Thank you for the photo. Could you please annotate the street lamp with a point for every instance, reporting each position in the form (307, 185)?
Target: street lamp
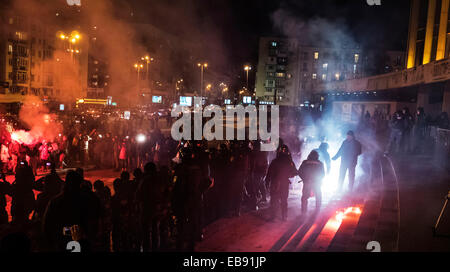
(72, 38)
(147, 60)
(177, 87)
(202, 67)
(247, 68)
(138, 67)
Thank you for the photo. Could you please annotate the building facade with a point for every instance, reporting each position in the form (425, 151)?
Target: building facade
(288, 71)
(428, 37)
(35, 60)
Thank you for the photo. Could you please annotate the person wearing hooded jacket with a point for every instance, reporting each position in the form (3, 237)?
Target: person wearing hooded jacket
(281, 169)
(312, 172)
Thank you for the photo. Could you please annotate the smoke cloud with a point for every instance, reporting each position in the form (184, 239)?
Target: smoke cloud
(317, 31)
(43, 125)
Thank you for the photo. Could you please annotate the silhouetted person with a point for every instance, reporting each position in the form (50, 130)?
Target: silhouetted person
(104, 229)
(420, 130)
(239, 167)
(281, 169)
(349, 152)
(69, 216)
(5, 189)
(408, 124)
(258, 169)
(85, 184)
(149, 199)
(187, 202)
(221, 181)
(443, 121)
(397, 126)
(122, 216)
(324, 156)
(23, 201)
(52, 186)
(311, 172)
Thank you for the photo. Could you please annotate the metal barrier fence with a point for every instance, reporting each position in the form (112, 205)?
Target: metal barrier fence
(442, 147)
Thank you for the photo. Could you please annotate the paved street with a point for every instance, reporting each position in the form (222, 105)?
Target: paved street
(404, 227)
(422, 191)
(339, 226)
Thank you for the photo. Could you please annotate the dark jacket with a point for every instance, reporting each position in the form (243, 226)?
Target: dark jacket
(281, 169)
(349, 152)
(311, 171)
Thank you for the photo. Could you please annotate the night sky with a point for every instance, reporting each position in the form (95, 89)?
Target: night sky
(239, 23)
(229, 30)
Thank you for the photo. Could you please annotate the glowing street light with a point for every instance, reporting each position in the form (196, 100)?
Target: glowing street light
(202, 67)
(147, 60)
(73, 38)
(247, 68)
(138, 67)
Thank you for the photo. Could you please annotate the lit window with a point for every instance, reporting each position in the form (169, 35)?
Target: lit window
(354, 68)
(324, 77)
(10, 49)
(274, 44)
(356, 58)
(314, 76)
(337, 76)
(316, 55)
(325, 66)
(280, 75)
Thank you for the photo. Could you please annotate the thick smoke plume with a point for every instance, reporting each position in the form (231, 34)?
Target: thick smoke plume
(43, 125)
(316, 31)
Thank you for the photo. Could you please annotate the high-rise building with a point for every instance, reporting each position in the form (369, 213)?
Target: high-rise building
(428, 38)
(288, 70)
(40, 58)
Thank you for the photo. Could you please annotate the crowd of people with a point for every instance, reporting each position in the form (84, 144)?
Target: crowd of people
(163, 203)
(410, 133)
(167, 192)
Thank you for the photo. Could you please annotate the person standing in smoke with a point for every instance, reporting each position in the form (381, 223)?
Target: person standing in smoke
(123, 156)
(324, 156)
(420, 130)
(5, 157)
(349, 152)
(311, 172)
(408, 124)
(44, 155)
(281, 169)
(396, 125)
